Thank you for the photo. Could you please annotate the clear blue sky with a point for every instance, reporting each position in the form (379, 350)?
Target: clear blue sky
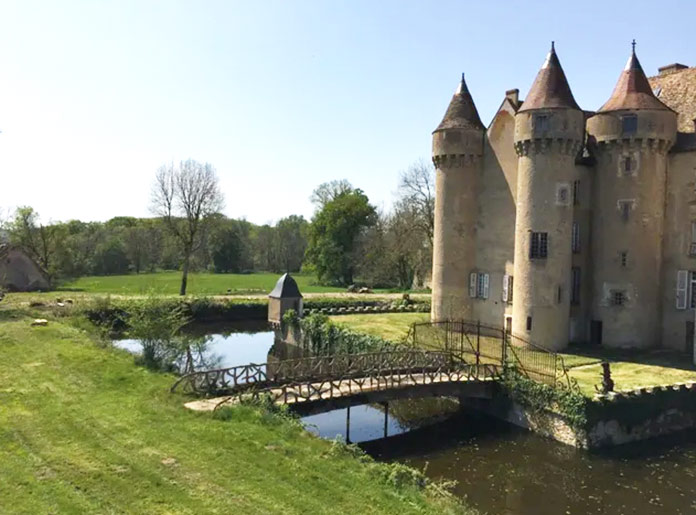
(279, 96)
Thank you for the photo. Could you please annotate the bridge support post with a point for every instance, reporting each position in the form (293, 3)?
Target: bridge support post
(348, 424)
(386, 418)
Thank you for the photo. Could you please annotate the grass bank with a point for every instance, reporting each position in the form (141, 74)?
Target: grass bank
(83, 430)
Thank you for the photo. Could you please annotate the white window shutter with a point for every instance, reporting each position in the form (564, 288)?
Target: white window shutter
(682, 284)
(506, 285)
(693, 232)
(485, 286)
(473, 278)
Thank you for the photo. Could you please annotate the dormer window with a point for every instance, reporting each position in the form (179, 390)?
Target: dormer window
(629, 124)
(541, 123)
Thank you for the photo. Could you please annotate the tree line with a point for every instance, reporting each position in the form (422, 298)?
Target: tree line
(347, 240)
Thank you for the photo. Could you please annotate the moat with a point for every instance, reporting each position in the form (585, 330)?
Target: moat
(498, 468)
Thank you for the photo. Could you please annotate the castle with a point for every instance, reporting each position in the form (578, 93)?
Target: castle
(568, 225)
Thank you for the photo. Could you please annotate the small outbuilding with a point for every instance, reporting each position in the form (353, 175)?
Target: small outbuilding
(19, 272)
(286, 295)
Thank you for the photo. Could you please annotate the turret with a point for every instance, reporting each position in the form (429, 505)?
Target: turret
(457, 152)
(630, 136)
(549, 132)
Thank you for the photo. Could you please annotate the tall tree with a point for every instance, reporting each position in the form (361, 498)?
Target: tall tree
(292, 242)
(334, 232)
(417, 194)
(185, 197)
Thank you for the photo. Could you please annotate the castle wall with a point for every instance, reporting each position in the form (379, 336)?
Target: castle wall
(495, 230)
(582, 216)
(680, 212)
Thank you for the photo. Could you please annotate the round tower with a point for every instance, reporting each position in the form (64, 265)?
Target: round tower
(549, 131)
(457, 152)
(630, 136)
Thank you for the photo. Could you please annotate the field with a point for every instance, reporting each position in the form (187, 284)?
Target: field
(167, 283)
(84, 430)
(629, 369)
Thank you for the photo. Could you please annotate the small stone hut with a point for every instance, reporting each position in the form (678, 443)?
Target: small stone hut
(19, 272)
(286, 295)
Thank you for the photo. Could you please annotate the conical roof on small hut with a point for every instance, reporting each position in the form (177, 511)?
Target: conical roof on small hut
(285, 288)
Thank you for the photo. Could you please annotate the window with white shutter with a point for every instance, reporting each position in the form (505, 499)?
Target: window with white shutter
(486, 280)
(505, 288)
(682, 284)
(692, 245)
(473, 282)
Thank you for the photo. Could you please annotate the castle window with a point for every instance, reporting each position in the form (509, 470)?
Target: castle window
(682, 287)
(539, 245)
(627, 166)
(576, 193)
(692, 286)
(692, 245)
(618, 298)
(507, 289)
(625, 207)
(529, 323)
(624, 259)
(559, 294)
(575, 238)
(478, 285)
(575, 286)
(541, 123)
(629, 124)
(563, 194)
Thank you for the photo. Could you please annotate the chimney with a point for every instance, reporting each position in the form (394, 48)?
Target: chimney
(514, 96)
(671, 68)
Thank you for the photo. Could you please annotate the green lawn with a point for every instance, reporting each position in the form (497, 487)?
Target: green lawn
(84, 430)
(198, 284)
(390, 326)
(629, 369)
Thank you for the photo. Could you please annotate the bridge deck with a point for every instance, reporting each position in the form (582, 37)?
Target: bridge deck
(295, 394)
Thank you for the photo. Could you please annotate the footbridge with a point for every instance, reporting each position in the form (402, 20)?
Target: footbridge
(450, 358)
(328, 382)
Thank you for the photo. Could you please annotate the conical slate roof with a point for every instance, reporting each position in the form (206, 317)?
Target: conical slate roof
(461, 113)
(550, 89)
(285, 288)
(633, 90)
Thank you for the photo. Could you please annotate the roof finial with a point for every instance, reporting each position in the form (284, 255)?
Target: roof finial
(553, 46)
(633, 45)
(462, 76)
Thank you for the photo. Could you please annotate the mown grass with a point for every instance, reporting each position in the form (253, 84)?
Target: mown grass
(83, 430)
(168, 283)
(390, 326)
(629, 370)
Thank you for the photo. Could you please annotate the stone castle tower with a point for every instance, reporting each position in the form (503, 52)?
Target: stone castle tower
(568, 225)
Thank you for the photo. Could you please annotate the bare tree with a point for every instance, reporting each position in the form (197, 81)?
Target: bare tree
(417, 190)
(329, 191)
(186, 196)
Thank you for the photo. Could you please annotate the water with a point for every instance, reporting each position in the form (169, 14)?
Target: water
(499, 469)
(506, 470)
(226, 345)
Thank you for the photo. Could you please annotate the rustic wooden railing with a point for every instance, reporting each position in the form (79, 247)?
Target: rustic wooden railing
(302, 377)
(387, 379)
